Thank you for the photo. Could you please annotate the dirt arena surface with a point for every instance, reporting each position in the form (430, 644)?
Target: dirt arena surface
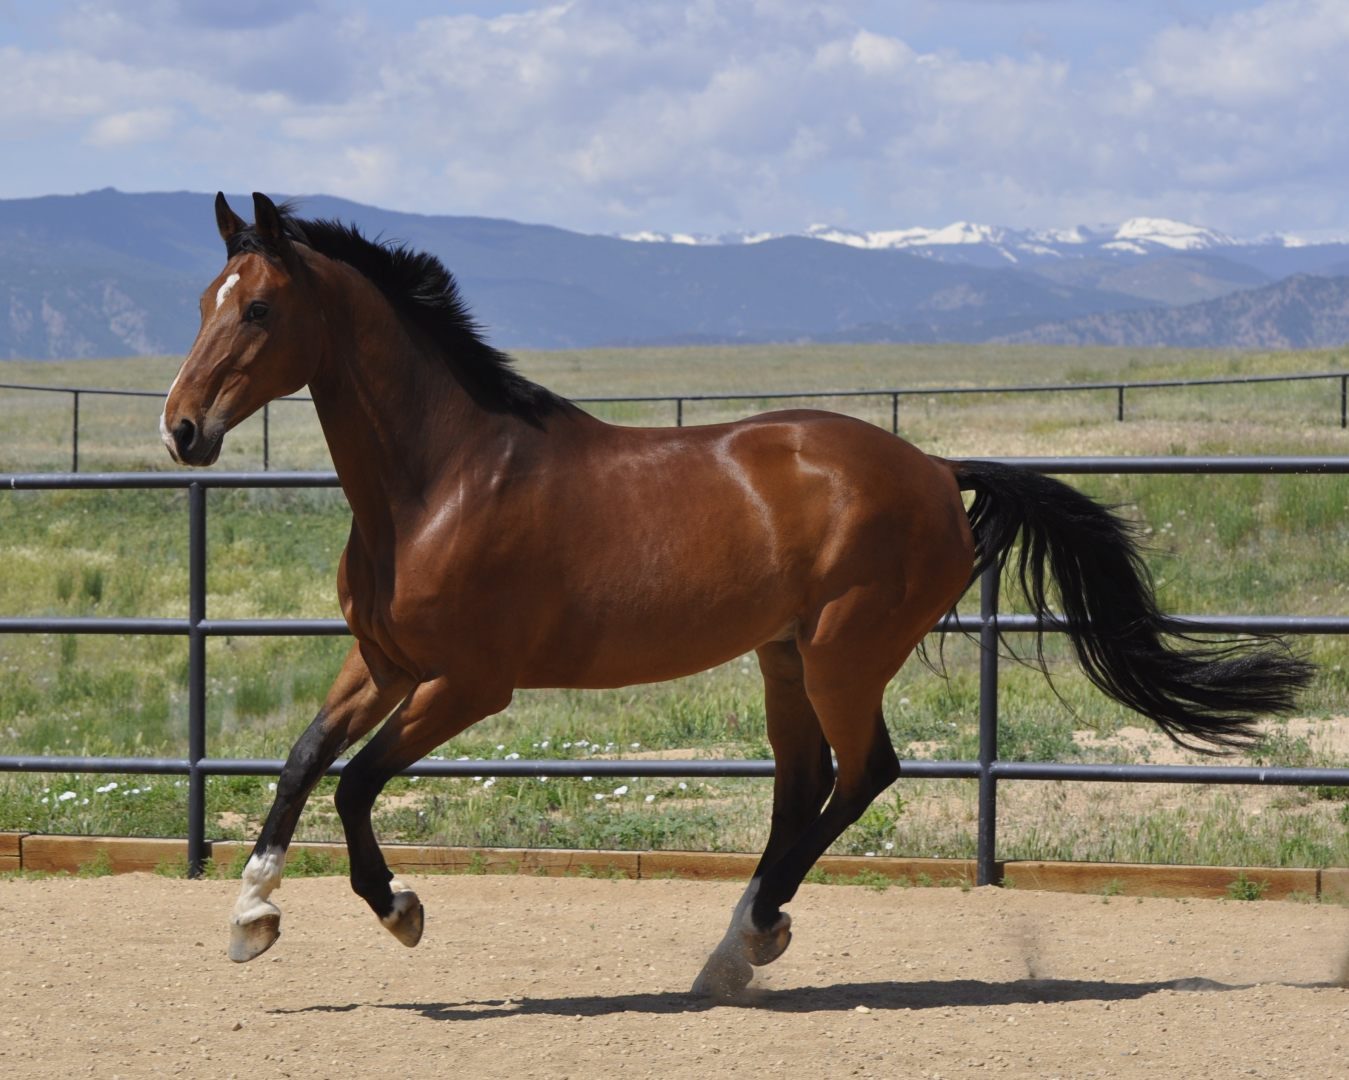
(535, 977)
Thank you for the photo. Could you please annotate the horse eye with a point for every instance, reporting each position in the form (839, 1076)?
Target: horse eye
(256, 311)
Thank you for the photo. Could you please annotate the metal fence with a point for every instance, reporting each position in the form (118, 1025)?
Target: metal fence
(988, 770)
(678, 401)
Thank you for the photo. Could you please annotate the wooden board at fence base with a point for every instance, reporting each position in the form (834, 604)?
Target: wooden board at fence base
(102, 854)
(1141, 879)
(905, 871)
(537, 862)
(1335, 885)
(704, 865)
(230, 856)
(10, 858)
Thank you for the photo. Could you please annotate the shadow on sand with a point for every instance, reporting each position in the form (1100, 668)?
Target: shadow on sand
(877, 996)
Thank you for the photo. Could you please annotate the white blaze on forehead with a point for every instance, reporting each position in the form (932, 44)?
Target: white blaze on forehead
(225, 290)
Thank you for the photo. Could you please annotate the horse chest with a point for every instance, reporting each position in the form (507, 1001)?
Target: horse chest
(409, 602)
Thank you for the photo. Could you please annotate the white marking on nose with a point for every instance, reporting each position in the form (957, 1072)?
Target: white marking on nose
(164, 414)
(225, 290)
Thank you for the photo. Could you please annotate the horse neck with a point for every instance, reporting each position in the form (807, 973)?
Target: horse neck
(395, 417)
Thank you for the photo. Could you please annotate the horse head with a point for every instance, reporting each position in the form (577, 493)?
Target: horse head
(256, 340)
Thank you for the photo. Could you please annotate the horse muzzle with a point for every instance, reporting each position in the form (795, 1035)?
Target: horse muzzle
(189, 443)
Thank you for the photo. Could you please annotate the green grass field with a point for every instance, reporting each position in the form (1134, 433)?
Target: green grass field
(1220, 545)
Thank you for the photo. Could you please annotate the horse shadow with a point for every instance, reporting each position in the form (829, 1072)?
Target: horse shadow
(841, 997)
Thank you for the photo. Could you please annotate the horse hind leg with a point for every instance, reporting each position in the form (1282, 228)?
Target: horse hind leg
(354, 705)
(801, 784)
(844, 682)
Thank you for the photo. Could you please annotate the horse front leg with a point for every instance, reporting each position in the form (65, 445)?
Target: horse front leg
(357, 702)
(434, 712)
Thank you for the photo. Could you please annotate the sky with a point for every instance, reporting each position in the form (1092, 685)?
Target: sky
(708, 116)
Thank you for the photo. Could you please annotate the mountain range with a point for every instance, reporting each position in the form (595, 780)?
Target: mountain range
(109, 273)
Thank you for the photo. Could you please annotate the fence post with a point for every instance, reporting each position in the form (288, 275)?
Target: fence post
(679, 412)
(986, 872)
(196, 680)
(266, 436)
(75, 433)
(1119, 408)
(1344, 401)
(894, 413)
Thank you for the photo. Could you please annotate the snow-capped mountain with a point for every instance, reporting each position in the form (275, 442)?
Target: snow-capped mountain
(107, 273)
(956, 241)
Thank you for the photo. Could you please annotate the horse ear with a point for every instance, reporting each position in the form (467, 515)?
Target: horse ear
(226, 220)
(267, 221)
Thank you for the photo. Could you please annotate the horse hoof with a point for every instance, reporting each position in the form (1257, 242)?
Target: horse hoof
(251, 939)
(408, 918)
(764, 946)
(723, 976)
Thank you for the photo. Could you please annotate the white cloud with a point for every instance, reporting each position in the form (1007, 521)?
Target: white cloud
(1270, 55)
(128, 128)
(701, 116)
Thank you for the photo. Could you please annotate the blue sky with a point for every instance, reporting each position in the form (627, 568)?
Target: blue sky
(707, 116)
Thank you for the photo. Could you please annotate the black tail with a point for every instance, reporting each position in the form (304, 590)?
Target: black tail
(1209, 693)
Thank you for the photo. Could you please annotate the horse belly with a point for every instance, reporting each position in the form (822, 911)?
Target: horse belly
(641, 632)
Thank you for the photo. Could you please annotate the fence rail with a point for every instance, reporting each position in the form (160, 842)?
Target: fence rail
(892, 394)
(988, 770)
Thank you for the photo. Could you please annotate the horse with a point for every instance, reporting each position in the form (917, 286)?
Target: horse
(502, 538)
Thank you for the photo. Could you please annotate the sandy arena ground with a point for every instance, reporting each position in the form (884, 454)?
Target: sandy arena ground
(531, 977)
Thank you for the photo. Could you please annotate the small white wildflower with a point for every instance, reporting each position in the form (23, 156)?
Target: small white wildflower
(66, 796)
(587, 779)
(622, 789)
(111, 786)
(271, 785)
(889, 845)
(651, 798)
(634, 746)
(488, 782)
(543, 745)
(501, 746)
(512, 757)
(599, 795)
(683, 786)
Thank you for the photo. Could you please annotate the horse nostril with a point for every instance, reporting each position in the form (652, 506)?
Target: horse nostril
(184, 435)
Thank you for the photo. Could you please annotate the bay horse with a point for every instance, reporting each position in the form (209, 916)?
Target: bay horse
(502, 538)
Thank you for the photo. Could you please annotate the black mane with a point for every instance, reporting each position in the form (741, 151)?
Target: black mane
(423, 290)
